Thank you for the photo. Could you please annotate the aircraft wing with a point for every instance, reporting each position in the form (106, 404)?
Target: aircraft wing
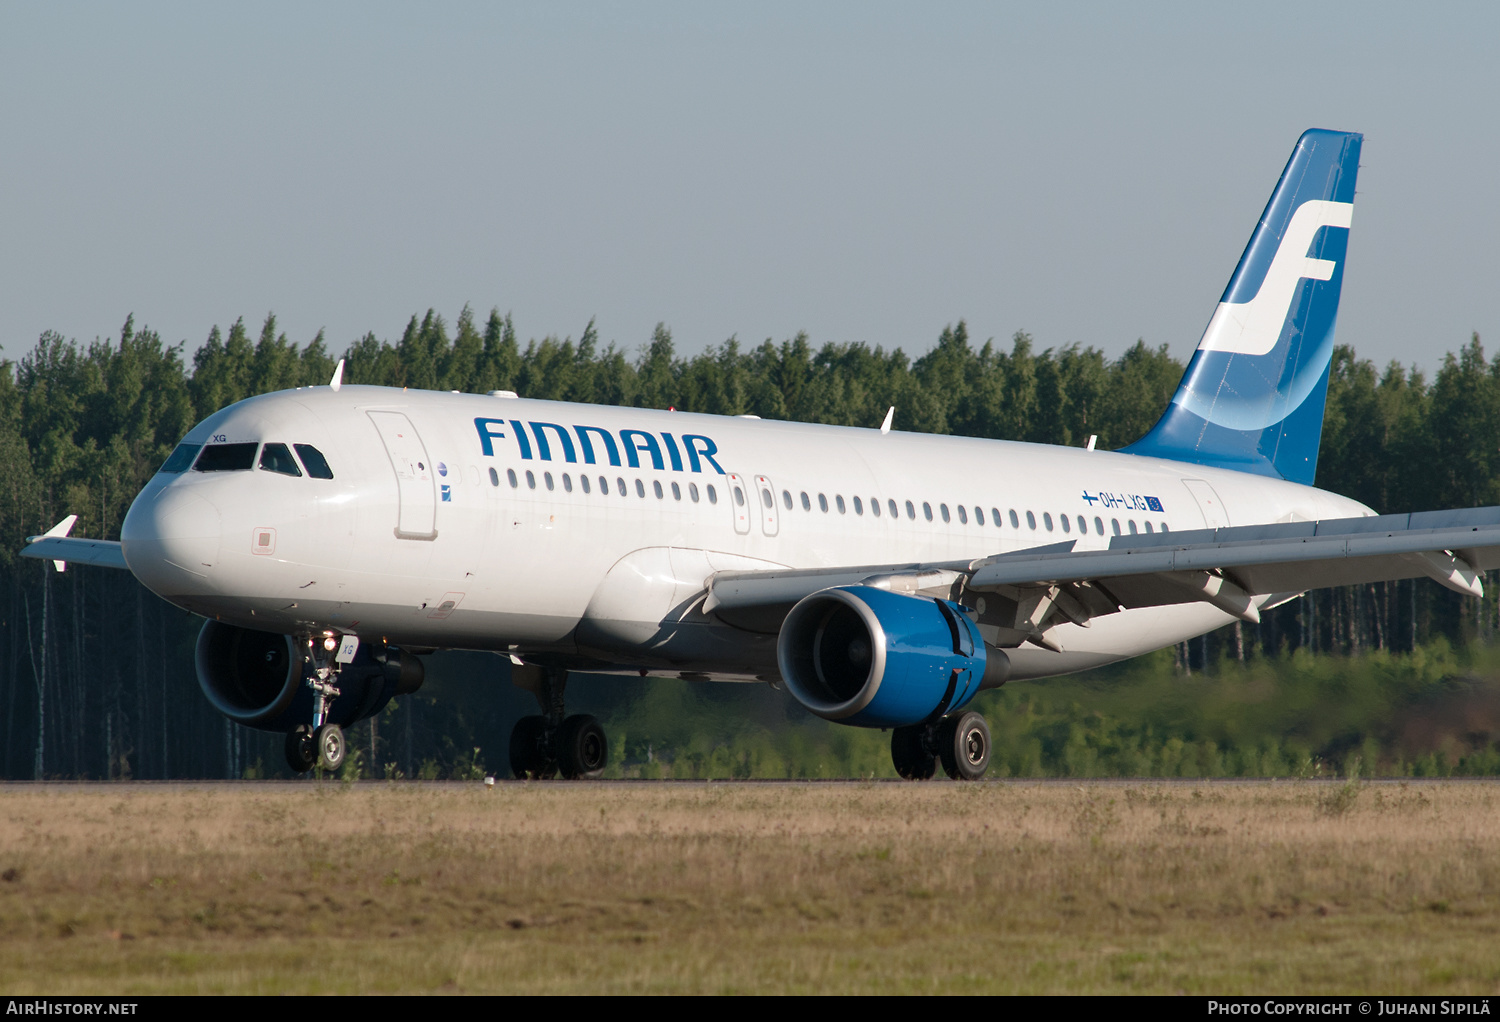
(62, 550)
(1240, 570)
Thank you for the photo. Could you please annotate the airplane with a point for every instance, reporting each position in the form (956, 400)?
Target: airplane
(330, 536)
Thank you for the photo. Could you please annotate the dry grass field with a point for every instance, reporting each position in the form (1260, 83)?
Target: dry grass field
(726, 887)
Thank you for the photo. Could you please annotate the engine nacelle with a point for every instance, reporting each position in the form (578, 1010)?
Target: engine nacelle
(869, 657)
(256, 678)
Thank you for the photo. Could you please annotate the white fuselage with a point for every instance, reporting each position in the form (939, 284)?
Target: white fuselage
(424, 541)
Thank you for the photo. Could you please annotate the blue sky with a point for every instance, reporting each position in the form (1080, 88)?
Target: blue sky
(862, 171)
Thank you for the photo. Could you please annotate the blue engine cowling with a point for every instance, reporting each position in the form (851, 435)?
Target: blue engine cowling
(872, 658)
(256, 678)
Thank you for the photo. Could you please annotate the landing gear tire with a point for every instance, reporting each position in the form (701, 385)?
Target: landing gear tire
(582, 748)
(301, 753)
(964, 746)
(530, 758)
(328, 740)
(910, 755)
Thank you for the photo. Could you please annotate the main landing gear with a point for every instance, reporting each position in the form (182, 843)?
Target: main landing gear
(322, 744)
(960, 742)
(554, 743)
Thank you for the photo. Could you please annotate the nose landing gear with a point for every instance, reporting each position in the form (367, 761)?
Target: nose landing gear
(322, 743)
(543, 746)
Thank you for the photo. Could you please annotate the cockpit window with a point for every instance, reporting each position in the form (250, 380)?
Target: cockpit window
(276, 458)
(313, 460)
(226, 458)
(181, 459)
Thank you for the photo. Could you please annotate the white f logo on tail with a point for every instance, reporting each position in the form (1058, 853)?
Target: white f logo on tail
(1254, 327)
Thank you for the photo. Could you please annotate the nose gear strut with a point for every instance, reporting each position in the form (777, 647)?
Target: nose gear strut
(321, 744)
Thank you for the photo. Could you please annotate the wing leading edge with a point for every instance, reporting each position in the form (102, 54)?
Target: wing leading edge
(1240, 570)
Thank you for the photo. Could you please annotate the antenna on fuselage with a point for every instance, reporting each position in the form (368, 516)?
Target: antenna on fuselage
(338, 376)
(885, 427)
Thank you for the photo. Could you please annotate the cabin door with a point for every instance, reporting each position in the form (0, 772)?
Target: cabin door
(1214, 515)
(417, 517)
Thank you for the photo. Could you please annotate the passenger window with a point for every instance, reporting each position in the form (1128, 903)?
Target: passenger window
(603, 487)
(584, 482)
(713, 494)
(656, 488)
(1148, 526)
(1131, 523)
(823, 503)
(676, 492)
(693, 491)
(1031, 521)
(859, 506)
(181, 458)
(640, 489)
(806, 501)
(978, 514)
(927, 510)
(1047, 520)
(567, 482)
(891, 507)
(1164, 527)
(1015, 523)
(226, 458)
(995, 517)
(963, 516)
(1083, 525)
(313, 461)
(875, 506)
(276, 458)
(1099, 526)
(530, 480)
(494, 477)
(839, 500)
(766, 498)
(911, 512)
(1114, 523)
(547, 478)
(510, 474)
(1065, 525)
(943, 508)
(786, 498)
(620, 485)
(739, 496)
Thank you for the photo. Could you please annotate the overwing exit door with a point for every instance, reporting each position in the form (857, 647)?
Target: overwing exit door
(739, 502)
(765, 502)
(417, 518)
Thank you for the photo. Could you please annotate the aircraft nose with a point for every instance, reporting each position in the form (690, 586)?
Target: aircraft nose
(171, 540)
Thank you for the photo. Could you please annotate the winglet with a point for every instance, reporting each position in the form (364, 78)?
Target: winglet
(62, 528)
(338, 376)
(885, 427)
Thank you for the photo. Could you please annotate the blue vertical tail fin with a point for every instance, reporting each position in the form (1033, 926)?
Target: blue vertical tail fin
(1252, 397)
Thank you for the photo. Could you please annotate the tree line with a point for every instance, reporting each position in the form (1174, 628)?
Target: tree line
(96, 673)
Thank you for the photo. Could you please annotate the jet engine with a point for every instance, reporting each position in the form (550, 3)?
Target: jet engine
(256, 678)
(873, 658)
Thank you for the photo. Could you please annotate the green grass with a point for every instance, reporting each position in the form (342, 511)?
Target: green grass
(555, 887)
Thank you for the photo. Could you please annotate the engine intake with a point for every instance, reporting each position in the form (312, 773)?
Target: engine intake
(869, 657)
(255, 678)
